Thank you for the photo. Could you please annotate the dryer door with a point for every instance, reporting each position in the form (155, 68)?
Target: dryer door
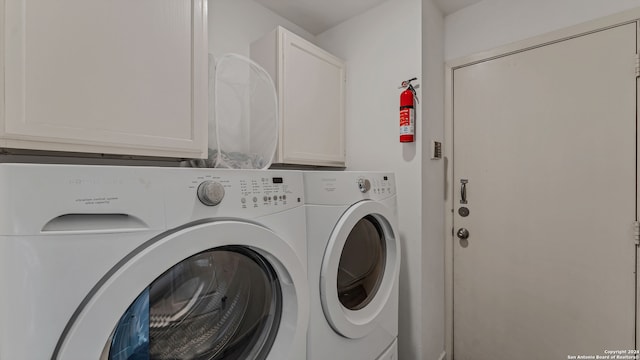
(360, 268)
(219, 290)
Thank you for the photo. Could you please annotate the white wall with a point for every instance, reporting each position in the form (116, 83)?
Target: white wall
(234, 24)
(492, 23)
(383, 47)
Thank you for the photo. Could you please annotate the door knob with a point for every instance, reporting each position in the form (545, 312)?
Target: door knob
(463, 234)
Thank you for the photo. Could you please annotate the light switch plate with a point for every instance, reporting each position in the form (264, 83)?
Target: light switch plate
(436, 150)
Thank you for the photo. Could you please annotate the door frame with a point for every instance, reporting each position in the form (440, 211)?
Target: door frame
(626, 17)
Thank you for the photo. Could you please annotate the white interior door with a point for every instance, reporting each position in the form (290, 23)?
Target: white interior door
(546, 139)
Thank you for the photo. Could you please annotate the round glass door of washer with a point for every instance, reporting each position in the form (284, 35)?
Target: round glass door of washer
(224, 303)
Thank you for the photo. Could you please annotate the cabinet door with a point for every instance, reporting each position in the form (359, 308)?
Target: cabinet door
(311, 88)
(117, 76)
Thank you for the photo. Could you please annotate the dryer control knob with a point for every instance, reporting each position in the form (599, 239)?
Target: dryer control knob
(210, 192)
(364, 185)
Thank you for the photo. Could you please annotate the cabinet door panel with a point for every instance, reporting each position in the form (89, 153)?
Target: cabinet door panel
(313, 124)
(122, 75)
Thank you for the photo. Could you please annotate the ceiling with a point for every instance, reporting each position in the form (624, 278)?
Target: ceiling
(317, 16)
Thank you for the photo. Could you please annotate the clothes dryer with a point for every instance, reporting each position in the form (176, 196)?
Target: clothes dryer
(124, 263)
(353, 265)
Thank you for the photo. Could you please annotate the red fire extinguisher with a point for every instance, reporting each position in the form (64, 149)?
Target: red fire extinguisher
(408, 111)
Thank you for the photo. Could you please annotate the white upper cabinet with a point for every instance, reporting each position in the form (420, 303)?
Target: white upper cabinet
(311, 94)
(104, 76)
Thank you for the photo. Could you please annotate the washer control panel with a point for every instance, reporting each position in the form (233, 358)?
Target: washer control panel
(267, 191)
(243, 193)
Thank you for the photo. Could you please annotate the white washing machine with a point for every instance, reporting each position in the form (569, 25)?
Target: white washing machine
(124, 263)
(353, 264)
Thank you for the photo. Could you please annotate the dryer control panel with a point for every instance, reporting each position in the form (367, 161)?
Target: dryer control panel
(378, 184)
(347, 187)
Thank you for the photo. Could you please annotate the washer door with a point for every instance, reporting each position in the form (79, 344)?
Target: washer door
(219, 290)
(359, 269)
(221, 303)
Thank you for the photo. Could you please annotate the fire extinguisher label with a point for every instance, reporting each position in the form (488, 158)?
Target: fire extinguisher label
(407, 121)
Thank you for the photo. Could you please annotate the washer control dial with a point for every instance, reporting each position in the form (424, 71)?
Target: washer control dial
(364, 185)
(210, 192)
